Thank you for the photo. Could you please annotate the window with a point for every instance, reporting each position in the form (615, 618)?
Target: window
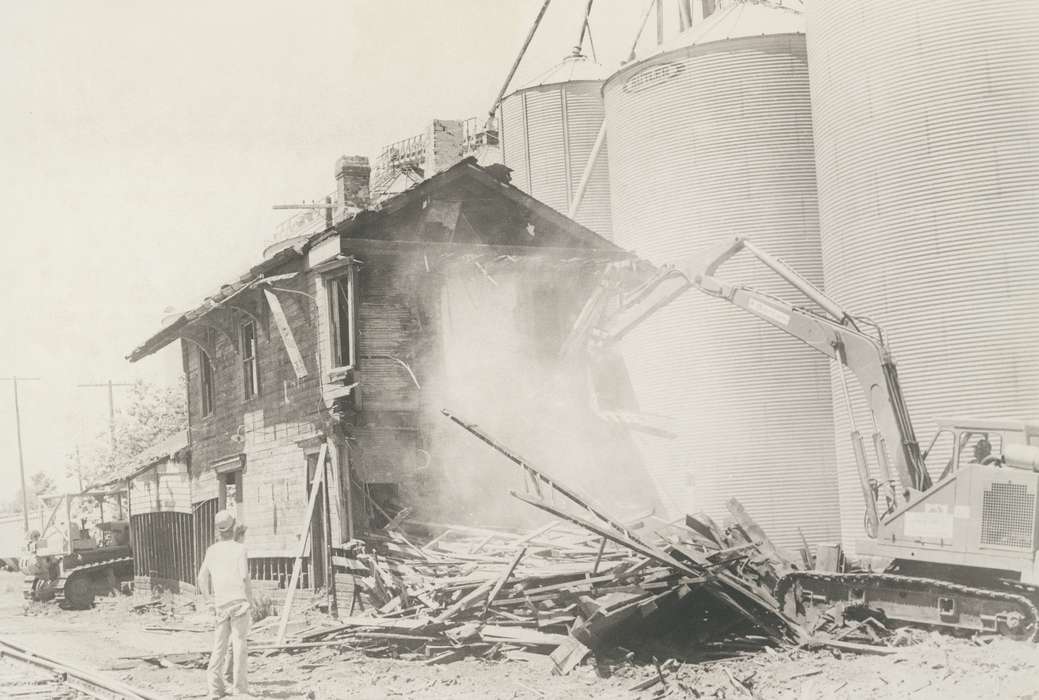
(205, 378)
(250, 366)
(341, 306)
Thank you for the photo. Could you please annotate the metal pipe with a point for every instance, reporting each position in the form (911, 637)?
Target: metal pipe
(519, 57)
(584, 24)
(593, 157)
(642, 26)
(685, 19)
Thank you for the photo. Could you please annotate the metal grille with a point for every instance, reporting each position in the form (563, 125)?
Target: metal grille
(1007, 516)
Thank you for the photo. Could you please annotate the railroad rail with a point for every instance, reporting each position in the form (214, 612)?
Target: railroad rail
(51, 675)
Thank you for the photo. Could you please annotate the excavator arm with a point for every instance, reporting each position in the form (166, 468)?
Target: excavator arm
(832, 332)
(838, 336)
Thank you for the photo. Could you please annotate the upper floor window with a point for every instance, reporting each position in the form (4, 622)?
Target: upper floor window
(250, 365)
(205, 378)
(341, 306)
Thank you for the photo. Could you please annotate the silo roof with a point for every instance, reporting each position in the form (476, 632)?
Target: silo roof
(745, 18)
(574, 68)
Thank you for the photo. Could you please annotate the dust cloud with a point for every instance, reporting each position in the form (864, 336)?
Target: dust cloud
(502, 326)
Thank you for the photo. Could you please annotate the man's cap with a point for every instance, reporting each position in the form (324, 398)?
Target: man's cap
(224, 521)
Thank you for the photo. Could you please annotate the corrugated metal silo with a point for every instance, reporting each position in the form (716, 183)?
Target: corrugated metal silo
(927, 147)
(711, 137)
(548, 129)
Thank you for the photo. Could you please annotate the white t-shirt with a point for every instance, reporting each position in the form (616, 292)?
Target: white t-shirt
(228, 568)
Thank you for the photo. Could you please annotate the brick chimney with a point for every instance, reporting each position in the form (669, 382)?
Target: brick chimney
(352, 173)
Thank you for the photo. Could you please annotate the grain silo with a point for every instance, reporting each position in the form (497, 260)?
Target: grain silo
(710, 136)
(926, 122)
(548, 130)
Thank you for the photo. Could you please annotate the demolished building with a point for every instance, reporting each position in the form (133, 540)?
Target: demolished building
(349, 341)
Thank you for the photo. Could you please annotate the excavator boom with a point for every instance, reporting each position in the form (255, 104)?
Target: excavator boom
(832, 331)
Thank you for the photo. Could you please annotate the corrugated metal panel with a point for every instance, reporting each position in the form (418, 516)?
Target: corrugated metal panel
(927, 134)
(513, 139)
(584, 111)
(546, 146)
(707, 142)
(548, 129)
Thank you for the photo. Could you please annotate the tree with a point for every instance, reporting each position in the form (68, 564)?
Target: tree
(148, 414)
(39, 484)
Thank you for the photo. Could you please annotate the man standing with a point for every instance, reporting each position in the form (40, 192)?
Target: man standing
(223, 581)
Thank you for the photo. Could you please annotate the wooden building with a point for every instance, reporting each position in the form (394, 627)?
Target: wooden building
(349, 342)
(161, 525)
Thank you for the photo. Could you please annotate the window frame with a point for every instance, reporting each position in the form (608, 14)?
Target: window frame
(250, 360)
(334, 284)
(206, 383)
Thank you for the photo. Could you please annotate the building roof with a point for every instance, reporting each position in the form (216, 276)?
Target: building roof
(168, 448)
(499, 217)
(574, 68)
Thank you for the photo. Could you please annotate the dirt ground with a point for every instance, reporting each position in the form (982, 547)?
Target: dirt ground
(102, 638)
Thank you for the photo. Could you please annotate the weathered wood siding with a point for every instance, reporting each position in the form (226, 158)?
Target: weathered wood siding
(273, 431)
(163, 548)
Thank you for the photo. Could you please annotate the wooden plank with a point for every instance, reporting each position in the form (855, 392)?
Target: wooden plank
(503, 578)
(472, 598)
(303, 540)
(612, 535)
(285, 331)
(568, 655)
(853, 647)
(520, 635)
(757, 535)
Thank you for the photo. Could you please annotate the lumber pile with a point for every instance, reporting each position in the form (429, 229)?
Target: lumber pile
(585, 583)
(439, 593)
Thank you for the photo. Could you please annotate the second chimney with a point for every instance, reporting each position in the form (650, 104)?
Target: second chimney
(352, 173)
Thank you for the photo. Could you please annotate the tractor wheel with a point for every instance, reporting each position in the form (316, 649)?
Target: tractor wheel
(79, 592)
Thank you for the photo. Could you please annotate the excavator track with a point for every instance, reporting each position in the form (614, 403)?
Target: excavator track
(913, 601)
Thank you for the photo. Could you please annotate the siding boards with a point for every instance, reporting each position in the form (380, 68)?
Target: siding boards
(162, 547)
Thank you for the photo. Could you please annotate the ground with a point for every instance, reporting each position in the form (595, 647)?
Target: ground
(102, 638)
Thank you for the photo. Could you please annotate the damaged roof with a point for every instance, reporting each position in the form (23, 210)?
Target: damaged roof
(505, 217)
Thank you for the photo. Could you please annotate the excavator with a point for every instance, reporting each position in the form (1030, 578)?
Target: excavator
(950, 531)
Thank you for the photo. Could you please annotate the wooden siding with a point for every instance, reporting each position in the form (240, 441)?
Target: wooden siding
(204, 530)
(164, 488)
(163, 546)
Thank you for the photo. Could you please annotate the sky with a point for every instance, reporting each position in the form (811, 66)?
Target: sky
(142, 146)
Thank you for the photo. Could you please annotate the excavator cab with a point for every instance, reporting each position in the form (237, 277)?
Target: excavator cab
(958, 443)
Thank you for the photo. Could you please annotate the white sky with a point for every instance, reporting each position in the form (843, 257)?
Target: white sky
(143, 144)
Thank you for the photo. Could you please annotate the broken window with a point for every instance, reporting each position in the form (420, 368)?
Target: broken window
(341, 306)
(205, 378)
(250, 366)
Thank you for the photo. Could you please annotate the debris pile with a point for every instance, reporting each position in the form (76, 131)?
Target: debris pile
(583, 583)
(445, 592)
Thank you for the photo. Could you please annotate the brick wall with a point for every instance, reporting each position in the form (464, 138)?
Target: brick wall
(267, 429)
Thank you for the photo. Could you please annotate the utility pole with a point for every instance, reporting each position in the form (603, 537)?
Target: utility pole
(111, 407)
(18, 429)
(79, 470)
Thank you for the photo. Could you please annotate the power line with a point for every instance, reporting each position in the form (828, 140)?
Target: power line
(18, 429)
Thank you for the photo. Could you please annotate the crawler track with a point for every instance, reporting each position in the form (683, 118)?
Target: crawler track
(916, 601)
(45, 677)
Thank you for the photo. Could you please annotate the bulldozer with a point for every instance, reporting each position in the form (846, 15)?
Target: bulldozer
(70, 561)
(951, 531)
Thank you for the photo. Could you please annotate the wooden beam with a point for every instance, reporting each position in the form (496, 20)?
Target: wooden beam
(304, 539)
(285, 330)
(500, 583)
